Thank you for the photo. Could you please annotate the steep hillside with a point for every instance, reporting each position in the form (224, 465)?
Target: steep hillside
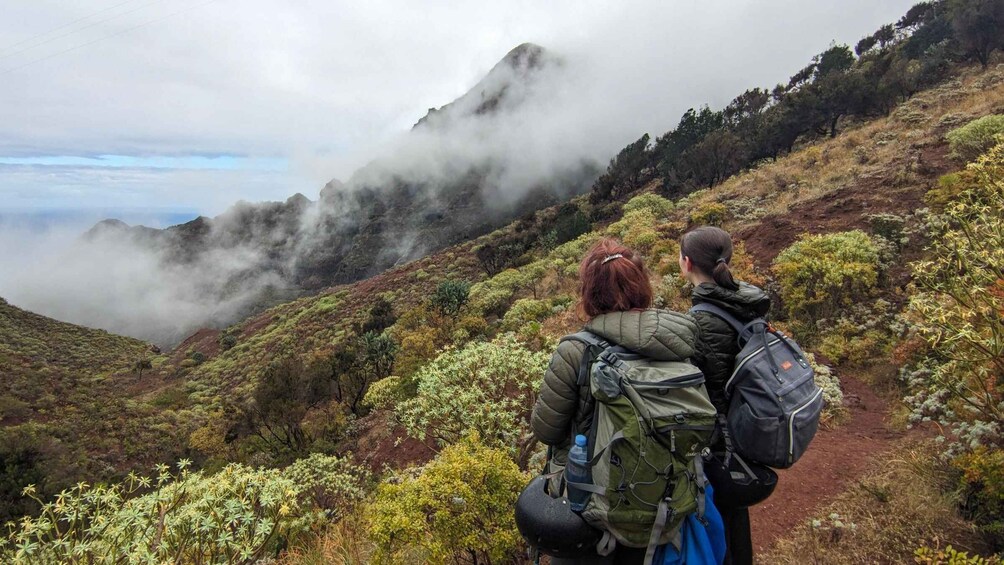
(883, 166)
(67, 410)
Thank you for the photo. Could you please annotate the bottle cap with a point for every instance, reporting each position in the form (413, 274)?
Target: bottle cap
(580, 440)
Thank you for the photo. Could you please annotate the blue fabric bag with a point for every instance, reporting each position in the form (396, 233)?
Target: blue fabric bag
(701, 544)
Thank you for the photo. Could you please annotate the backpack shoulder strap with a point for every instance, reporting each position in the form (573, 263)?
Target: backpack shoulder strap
(744, 332)
(594, 346)
(718, 312)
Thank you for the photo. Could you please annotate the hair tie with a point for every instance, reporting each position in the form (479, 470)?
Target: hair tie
(611, 258)
(721, 260)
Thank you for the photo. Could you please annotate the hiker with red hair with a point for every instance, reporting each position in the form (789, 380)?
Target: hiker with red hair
(615, 302)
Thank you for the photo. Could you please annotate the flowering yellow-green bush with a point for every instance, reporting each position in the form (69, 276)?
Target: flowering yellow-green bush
(329, 483)
(527, 310)
(420, 333)
(485, 387)
(495, 295)
(458, 507)
(971, 140)
(709, 214)
(638, 228)
(958, 312)
(951, 556)
(386, 393)
(821, 274)
(238, 515)
(658, 205)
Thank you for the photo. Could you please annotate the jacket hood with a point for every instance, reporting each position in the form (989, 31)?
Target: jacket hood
(746, 303)
(659, 334)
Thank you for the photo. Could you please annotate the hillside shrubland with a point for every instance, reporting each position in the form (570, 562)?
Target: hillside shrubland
(851, 202)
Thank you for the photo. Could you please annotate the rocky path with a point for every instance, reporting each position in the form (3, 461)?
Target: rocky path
(835, 459)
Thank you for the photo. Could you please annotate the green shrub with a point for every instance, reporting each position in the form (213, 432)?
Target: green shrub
(973, 139)
(950, 556)
(888, 226)
(958, 313)
(524, 311)
(385, 393)
(172, 398)
(485, 387)
(450, 296)
(709, 214)
(329, 483)
(457, 508)
(821, 274)
(948, 189)
(573, 251)
(469, 327)
(227, 341)
(495, 295)
(961, 295)
(983, 482)
(239, 515)
(863, 333)
(659, 206)
(833, 396)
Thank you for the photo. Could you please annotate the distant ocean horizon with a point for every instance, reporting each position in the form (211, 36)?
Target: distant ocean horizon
(46, 219)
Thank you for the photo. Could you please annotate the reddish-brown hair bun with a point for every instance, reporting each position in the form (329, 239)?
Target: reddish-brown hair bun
(612, 278)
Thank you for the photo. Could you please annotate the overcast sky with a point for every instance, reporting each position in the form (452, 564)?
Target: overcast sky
(189, 104)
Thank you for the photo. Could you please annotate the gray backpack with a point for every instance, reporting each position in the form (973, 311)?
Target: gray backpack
(774, 403)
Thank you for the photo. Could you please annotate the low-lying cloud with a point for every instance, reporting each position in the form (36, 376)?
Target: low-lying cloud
(335, 90)
(121, 286)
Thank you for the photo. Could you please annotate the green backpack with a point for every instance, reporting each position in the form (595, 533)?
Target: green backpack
(651, 421)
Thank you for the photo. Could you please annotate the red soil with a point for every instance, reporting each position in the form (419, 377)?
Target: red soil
(836, 458)
(381, 443)
(848, 207)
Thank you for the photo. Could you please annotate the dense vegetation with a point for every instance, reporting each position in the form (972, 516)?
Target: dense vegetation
(325, 390)
(61, 417)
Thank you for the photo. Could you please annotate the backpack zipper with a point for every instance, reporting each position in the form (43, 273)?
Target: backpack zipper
(692, 379)
(791, 425)
(728, 383)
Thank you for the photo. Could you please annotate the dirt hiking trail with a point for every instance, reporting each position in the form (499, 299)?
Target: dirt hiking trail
(836, 457)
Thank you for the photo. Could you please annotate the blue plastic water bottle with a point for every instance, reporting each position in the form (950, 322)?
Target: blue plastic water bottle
(577, 471)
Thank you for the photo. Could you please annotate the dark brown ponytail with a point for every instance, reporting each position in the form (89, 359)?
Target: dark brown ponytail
(710, 251)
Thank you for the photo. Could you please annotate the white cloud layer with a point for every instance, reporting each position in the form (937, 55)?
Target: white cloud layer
(327, 84)
(328, 87)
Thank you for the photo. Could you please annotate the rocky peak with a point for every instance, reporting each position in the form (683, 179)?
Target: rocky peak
(520, 67)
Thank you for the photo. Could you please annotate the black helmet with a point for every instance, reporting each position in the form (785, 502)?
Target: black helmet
(738, 483)
(550, 526)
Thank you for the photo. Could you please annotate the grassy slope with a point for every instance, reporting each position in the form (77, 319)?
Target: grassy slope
(70, 394)
(43, 359)
(885, 165)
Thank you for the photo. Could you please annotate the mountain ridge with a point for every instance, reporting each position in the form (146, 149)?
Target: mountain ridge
(384, 216)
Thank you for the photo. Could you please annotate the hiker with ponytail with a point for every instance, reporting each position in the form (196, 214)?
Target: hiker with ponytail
(705, 256)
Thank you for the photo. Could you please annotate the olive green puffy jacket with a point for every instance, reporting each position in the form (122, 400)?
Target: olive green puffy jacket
(716, 340)
(562, 408)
